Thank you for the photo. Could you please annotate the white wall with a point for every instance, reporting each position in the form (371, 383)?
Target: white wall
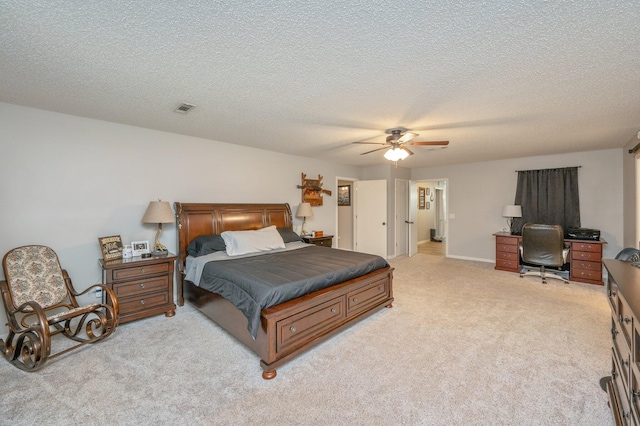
(66, 180)
(477, 192)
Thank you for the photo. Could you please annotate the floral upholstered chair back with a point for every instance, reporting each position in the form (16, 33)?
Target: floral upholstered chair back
(34, 274)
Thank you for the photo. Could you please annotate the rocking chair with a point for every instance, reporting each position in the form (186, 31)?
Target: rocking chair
(40, 302)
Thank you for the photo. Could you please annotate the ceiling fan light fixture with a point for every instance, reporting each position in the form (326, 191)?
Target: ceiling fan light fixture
(395, 154)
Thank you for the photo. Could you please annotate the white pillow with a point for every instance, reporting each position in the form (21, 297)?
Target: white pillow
(244, 242)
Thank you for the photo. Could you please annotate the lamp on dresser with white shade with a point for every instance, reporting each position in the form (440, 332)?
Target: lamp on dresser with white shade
(510, 212)
(304, 211)
(158, 212)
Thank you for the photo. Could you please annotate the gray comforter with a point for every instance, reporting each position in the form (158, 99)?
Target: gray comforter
(258, 282)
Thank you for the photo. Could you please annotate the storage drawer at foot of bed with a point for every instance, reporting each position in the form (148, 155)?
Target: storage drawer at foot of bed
(310, 322)
(367, 296)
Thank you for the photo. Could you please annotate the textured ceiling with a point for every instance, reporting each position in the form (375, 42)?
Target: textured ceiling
(499, 79)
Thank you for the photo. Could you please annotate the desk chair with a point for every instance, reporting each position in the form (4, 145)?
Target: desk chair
(543, 247)
(629, 254)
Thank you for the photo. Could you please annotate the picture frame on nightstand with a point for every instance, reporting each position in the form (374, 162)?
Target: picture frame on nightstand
(139, 247)
(111, 247)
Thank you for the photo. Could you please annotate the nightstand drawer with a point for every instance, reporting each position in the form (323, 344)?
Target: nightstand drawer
(324, 243)
(139, 271)
(143, 303)
(132, 288)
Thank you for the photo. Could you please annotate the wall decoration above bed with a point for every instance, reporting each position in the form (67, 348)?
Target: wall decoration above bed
(312, 190)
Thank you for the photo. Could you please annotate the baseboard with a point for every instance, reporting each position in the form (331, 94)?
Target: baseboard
(476, 259)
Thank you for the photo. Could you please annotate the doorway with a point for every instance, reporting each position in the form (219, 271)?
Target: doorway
(429, 216)
(345, 214)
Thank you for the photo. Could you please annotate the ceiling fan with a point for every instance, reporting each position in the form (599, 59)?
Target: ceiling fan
(396, 144)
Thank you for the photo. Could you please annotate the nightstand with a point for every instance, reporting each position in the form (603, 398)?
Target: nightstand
(144, 287)
(325, 240)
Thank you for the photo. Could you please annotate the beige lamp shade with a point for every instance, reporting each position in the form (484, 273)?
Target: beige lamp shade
(304, 211)
(158, 212)
(512, 211)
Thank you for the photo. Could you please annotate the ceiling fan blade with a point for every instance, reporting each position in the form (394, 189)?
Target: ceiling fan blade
(378, 149)
(429, 143)
(406, 149)
(407, 137)
(371, 143)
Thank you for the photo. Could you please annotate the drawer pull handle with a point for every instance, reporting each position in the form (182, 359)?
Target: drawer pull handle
(614, 332)
(355, 300)
(635, 393)
(379, 288)
(142, 302)
(292, 329)
(625, 362)
(334, 310)
(625, 319)
(142, 271)
(142, 285)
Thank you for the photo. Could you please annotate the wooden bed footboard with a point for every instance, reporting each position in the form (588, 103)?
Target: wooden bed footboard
(289, 328)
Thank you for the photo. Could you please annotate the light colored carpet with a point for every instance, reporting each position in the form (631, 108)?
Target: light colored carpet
(463, 345)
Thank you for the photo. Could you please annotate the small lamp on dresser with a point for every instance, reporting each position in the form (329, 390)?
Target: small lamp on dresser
(158, 212)
(304, 211)
(510, 212)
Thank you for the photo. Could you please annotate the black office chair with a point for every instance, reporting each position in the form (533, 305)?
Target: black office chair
(543, 247)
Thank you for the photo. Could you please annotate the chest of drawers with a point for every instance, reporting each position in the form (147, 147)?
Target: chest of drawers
(623, 386)
(144, 287)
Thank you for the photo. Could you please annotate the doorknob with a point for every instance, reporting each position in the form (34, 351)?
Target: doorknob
(384, 223)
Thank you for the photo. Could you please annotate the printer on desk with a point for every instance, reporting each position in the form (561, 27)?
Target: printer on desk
(583, 234)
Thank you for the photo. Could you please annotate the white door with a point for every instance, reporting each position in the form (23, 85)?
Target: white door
(402, 217)
(371, 216)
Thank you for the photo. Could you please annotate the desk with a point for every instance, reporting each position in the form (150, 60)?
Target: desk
(585, 260)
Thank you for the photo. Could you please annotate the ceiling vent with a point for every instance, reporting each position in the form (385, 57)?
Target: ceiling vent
(184, 108)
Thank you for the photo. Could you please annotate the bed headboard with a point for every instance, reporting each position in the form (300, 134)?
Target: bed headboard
(195, 219)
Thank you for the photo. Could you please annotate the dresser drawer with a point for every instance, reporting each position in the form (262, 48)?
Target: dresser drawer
(505, 248)
(309, 322)
(595, 248)
(586, 255)
(366, 296)
(586, 274)
(135, 288)
(507, 264)
(625, 319)
(508, 241)
(506, 256)
(139, 271)
(142, 303)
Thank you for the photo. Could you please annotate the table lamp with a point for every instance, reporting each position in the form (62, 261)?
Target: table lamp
(510, 212)
(304, 211)
(158, 212)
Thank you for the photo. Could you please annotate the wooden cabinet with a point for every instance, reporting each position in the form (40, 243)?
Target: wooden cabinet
(326, 240)
(585, 262)
(144, 287)
(507, 255)
(623, 386)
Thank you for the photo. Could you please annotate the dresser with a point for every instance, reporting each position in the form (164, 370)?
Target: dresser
(623, 386)
(585, 263)
(144, 287)
(325, 240)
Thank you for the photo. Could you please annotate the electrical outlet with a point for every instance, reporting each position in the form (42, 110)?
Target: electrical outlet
(98, 293)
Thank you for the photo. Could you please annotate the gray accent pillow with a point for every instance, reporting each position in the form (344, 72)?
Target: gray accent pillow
(288, 235)
(205, 244)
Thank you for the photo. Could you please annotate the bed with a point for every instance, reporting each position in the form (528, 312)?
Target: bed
(288, 328)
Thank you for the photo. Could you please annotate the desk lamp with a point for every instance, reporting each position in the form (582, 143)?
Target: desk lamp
(158, 212)
(304, 211)
(510, 212)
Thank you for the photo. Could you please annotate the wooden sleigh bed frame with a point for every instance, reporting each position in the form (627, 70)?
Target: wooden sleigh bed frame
(291, 327)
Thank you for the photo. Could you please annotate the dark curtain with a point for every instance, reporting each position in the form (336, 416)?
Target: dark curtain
(548, 196)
